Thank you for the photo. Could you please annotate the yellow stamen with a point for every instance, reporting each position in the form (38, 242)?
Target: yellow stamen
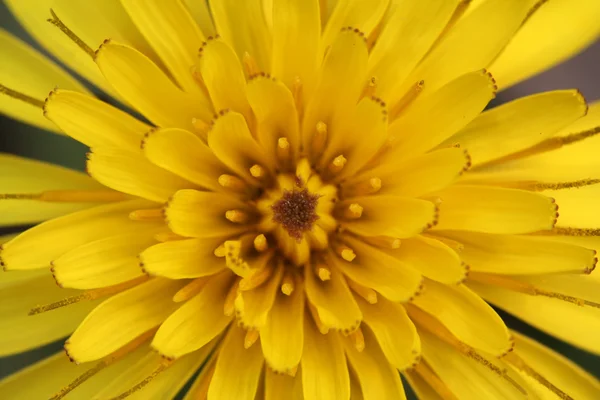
(353, 211)
(370, 186)
(251, 338)
(298, 93)
(408, 98)
(87, 295)
(257, 171)
(366, 293)
(520, 364)
(160, 369)
(260, 243)
(106, 361)
(315, 315)
(323, 272)
(68, 196)
(191, 289)
(60, 25)
(229, 305)
(220, 251)
(319, 138)
(358, 339)
(303, 171)
(237, 216)
(370, 87)
(167, 237)
(283, 149)
(22, 97)
(345, 252)
(425, 372)
(287, 284)
(256, 278)
(292, 371)
(232, 183)
(250, 65)
(383, 241)
(337, 164)
(147, 215)
(200, 126)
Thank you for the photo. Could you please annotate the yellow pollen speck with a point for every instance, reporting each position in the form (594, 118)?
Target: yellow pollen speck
(237, 216)
(260, 243)
(320, 137)
(337, 163)
(257, 171)
(287, 284)
(323, 272)
(346, 253)
(353, 211)
(232, 183)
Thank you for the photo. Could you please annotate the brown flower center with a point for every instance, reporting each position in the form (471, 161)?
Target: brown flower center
(296, 211)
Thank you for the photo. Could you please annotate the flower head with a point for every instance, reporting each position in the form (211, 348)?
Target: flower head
(307, 212)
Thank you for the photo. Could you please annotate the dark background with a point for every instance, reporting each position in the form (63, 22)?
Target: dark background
(581, 72)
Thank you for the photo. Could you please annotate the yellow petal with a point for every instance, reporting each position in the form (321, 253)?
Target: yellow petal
(520, 255)
(25, 70)
(224, 78)
(472, 43)
(22, 176)
(122, 318)
(38, 246)
(432, 258)
(202, 214)
(394, 216)
(175, 149)
(519, 124)
(432, 118)
(421, 175)
(555, 32)
(131, 173)
(341, 81)
(233, 144)
(20, 331)
(456, 370)
(324, 370)
(376, 269)
(253, 306)
(377, 377)
(93, 122)
(103, 262)
(567, 321)
(466, 315)
(421, 387)
(155, 96)
(179, 259)
(282, 386)
(238, 369)
(282, 336)
(495, 210)
(562, 372)
(335, 304)
(275, 111)
(296, 25)
(196, 322)
(174, 35)
(394, 331)
(201, 14)
(410, 30)
(575, 205)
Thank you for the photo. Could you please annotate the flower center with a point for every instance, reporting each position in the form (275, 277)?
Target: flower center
(296, 211)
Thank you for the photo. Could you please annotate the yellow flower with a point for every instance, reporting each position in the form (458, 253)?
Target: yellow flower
(316, 204)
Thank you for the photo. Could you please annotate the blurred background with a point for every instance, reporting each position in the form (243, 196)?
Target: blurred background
(581, 72)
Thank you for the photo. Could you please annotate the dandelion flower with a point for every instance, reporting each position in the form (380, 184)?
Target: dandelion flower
(314, 203)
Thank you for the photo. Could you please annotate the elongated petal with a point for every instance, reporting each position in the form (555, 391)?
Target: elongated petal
(377, 377)
(393, 216)
(562, 372)
(195, 323)
(20, 331)
(184, 154)
(376, 269)
(242, 25)
(93, 122)
(411, 30)
(279, 386)
(432, 258)
(394, 331)
(202, 214)
(155, 96)
(455, 369)
(432, 118)
(25, 70)
(566, 27)
(253, 306)
(103, 262)
(521, 255)
(38, 246)
(575, 205)
(238, 370)
(172, 32)
(201, 13)
(495, 210)
(131, 173)
(179, 259)
(22, 176)
(468, 317)
(282, 337)
(519, 124)
(333, 300)
(121, 319)
(324, 370)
